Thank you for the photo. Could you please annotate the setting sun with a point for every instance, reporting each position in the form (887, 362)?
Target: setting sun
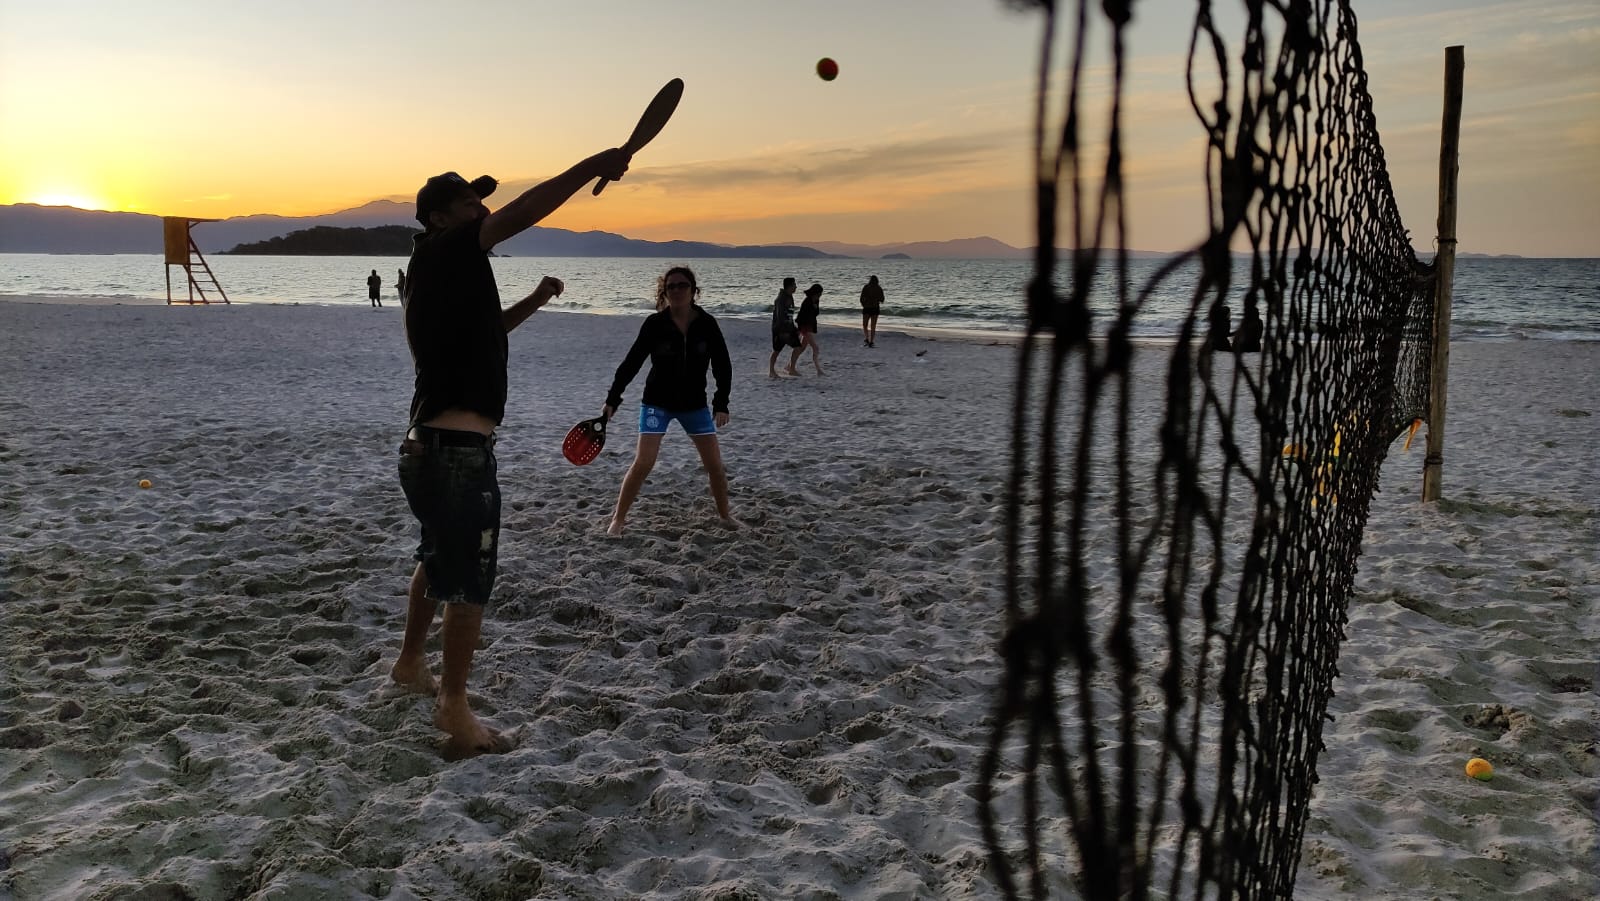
(81, 201)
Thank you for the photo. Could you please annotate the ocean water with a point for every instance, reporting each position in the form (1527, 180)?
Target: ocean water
(1495, 299)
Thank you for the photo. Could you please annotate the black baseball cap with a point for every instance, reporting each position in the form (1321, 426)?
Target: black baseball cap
(441, 190)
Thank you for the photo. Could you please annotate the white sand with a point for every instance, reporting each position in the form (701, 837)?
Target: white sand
(194, 698)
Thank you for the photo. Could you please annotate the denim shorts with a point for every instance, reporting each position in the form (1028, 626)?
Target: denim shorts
(450, 482)
(654, 420)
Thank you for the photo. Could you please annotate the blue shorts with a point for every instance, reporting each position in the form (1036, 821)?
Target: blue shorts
(450, 482)
(654, 420)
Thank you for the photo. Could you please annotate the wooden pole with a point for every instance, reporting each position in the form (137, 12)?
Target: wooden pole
(1444, 263)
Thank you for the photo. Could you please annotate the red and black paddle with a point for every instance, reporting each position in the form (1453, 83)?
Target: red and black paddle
(584, 441)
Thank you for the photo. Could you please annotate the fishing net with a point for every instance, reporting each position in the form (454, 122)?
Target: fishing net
(1183, 522)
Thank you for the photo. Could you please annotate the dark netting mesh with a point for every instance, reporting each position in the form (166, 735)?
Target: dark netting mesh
(1183, 524)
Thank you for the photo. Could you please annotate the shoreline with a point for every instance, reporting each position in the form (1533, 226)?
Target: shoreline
(997, 337)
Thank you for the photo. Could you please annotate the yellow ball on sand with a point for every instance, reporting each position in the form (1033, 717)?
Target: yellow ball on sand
(144, 483)
(1480, 769)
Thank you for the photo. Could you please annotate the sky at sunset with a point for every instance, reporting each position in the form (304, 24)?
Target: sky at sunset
(297, 108)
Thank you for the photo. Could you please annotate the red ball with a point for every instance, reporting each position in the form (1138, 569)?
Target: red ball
(827, 69)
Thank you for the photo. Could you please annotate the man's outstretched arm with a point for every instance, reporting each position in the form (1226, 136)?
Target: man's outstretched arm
(546, 197)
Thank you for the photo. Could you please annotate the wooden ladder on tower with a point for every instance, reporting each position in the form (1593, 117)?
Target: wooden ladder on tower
(182, 251)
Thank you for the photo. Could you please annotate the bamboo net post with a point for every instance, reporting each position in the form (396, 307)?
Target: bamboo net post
(1444, 262)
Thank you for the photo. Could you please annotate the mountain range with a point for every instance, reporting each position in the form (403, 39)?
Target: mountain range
(30, 228)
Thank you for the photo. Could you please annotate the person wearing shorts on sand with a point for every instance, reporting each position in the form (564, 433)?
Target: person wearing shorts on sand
(681, 341)
(806, 321)
(784, 333)
(871, 306)
(456, 330)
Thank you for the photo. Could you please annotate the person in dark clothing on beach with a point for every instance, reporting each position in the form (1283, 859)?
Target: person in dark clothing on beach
(374, 285)
(784, 333)
(1220, 321)
(1247, 339)
(681, 341)
(871, 305)
(457, 331)
(400, 287)
(806, 322)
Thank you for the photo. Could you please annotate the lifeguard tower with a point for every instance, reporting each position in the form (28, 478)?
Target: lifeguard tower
(182, 251)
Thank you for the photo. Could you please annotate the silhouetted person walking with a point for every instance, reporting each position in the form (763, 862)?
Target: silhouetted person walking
(1247, 340)
(784, 333)
(806, 322)
(374, 285)
(871, 304)
(1221, 320)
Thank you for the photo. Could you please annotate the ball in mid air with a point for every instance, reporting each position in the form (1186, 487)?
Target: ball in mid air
(1480, 769)
(827, 69)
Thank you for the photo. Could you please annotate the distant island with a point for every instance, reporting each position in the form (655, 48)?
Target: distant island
(396, 241)
(328, 241)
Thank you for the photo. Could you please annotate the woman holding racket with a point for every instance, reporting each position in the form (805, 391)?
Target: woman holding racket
(682, 341)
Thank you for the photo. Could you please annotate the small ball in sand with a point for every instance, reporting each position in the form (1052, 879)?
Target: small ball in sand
(144, 483)
(1480, 769)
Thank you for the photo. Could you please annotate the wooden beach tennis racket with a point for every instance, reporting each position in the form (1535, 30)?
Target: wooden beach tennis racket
(650, 124)
(584, 440)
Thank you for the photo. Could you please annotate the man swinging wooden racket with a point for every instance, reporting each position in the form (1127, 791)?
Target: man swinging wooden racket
(457, 331)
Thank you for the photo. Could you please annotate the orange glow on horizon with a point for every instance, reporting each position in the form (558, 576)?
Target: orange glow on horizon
(78, 200)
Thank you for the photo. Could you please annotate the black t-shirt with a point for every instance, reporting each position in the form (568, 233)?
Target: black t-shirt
(678, 363)
(454, 326)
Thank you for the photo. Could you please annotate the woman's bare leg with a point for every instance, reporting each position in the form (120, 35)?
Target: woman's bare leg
(644, 460)
(711, 459)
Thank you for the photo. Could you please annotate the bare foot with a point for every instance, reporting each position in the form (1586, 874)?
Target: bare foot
(791, 373)
(467, 736)
(615, 529)
(414, 676)
(730, 523)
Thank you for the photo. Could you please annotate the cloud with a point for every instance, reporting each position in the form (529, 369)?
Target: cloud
(907, 160)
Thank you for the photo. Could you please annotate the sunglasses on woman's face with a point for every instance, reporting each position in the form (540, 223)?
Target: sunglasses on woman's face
(678, 286)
